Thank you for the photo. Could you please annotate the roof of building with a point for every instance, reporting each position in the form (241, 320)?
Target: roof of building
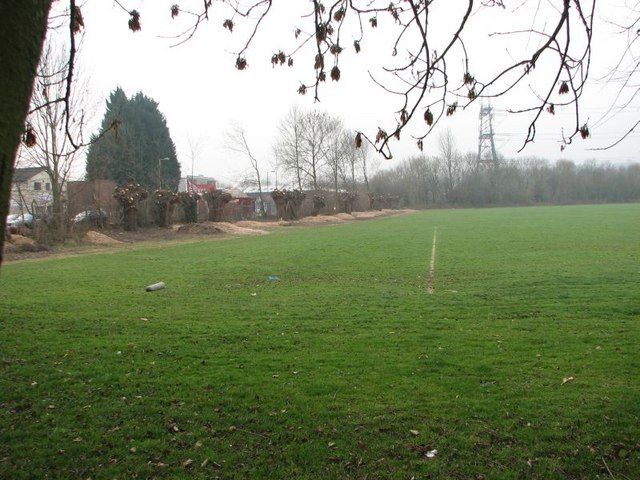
(236, 193)
(265, 195)
(23, 174)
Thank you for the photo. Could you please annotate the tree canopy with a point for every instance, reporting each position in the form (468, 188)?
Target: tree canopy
(140, 150)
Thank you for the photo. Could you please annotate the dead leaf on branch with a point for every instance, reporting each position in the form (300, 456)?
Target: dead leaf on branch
(564, 88)
(335, 74)
(134, 21)
(584, 132)
(29, 137)
(241, 63)
(428, 117)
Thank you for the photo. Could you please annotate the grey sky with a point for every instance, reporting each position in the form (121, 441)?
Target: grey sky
(200, 92)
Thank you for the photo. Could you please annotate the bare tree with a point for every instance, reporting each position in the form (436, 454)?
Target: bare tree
(53, 151)
(624, 73)
(237, 142)
(433, 166)
(366, 165)
(195, 147)
(336, 156)
(450, 161)
(350, 164)
(317, 131)
(289, 149)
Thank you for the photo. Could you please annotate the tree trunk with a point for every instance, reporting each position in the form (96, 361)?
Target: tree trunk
(190, 211)
(57, 212)
(162, 214)
(298, 169)
(314, 176)
(365, 175)
(263, 212)
(335, 184)
(130, 219)
(23, 24)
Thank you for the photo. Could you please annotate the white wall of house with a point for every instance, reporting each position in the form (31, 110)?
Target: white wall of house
(36, 190)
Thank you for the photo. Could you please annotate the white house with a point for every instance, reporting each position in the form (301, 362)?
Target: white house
(30, 190)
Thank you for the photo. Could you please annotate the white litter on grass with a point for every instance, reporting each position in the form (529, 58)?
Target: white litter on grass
(155, 286)
(431, 453)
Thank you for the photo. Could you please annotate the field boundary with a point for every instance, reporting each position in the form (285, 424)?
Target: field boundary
(432, 264)
(271, 227)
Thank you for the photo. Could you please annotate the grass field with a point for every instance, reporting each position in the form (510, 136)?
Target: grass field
(326, 373)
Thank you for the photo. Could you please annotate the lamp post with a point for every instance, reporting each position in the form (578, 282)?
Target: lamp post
(160, 160)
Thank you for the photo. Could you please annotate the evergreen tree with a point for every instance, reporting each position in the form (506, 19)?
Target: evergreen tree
(141, 150)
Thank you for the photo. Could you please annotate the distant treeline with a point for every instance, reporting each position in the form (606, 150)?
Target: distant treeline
(460, 180)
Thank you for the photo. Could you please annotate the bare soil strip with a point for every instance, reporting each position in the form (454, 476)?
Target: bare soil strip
(432, 265)
(161, 237)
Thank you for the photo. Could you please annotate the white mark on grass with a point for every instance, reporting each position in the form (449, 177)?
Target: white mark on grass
(432, 264)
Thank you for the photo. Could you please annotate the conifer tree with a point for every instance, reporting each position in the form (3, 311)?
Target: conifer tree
(140, 150)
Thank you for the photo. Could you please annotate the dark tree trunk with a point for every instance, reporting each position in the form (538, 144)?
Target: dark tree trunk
(162, 215)
(278, 199)
(318, 204)
(216, 200)
(189, 203)
(57, 211)
(190, 210)
(130, 222)
(23, 25)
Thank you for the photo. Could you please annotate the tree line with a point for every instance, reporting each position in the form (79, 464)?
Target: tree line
(316, 151)
(452, 178)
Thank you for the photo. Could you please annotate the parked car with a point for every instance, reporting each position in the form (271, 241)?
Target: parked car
(20, 220)
(94, 218)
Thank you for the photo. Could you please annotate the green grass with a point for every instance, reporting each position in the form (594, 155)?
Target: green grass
(325, 373)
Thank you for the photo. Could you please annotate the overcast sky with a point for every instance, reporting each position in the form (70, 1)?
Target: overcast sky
(201, 93)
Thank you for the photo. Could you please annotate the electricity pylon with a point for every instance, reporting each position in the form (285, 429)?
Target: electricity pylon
(486, 145)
